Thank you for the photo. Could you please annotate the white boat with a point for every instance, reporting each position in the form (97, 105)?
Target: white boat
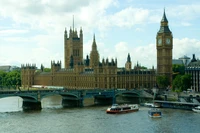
(196, 109)
(148, 104)
(125, 108)
(153, 105)
(155, 113)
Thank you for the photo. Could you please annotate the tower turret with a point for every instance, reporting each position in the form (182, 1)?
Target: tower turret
(55, 66)
(73, 46)
(27, 75)
(94, 55)
(65, 34)
(128, 64)
(81, 35)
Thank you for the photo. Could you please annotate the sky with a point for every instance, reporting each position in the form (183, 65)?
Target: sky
(32, 31)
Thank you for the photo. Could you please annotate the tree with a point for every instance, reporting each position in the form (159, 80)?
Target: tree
(162, 81)
(10, 79)
(176, 83)
(182, 82)
(143, 67)
(2, 78)
(47, 69)
(186, 80)
(178, 70)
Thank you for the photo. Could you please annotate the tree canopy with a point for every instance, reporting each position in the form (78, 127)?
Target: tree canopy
(182, 82)
(10, 79)
(178, 70)
(47, 69)
(162, 81)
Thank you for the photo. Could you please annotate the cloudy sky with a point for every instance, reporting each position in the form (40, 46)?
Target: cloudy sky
(31, 31)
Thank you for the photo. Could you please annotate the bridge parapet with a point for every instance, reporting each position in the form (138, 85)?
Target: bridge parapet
(68, 95)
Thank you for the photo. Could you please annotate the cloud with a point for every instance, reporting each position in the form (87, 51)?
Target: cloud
(34, 29)
(127, 17)
(186, 46)
(144, 55)
(12, 31)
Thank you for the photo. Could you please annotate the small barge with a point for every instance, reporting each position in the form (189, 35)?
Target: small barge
(155, 113)
(177, 105)
(125, 108)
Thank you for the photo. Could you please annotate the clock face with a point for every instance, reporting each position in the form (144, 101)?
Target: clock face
(159, 41)
(168, 41)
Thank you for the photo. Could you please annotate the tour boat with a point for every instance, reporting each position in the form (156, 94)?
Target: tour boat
(125, 108)
(196, 109)
(153, 112)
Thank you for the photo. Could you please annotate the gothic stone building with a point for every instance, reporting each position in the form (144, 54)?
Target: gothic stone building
(91, 73)
(193, 68)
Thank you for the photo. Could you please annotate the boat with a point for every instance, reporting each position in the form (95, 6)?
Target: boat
(196, 109)
(154, 113)
(152, 105)
(148, 104)
(125, 108)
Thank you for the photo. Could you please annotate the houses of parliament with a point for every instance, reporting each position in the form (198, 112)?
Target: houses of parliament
(93, 73)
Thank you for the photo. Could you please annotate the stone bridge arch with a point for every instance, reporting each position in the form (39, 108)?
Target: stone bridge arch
(127, 97)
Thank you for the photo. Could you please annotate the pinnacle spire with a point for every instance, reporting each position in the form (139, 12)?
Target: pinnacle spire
(94, 38)
(164, 24)
(73, 23)
(128, 58)
(94, 46)
(164, 18)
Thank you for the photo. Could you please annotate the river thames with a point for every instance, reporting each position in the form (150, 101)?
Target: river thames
(55, 119)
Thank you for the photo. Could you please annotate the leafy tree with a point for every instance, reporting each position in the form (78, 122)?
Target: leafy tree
(10, 79)
(176, 83)
(143, 67)
(178, 70)
(182, 82)
(2, 78)
(47, 70)
(162, 81)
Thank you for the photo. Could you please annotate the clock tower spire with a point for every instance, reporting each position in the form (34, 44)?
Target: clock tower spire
(164, 46)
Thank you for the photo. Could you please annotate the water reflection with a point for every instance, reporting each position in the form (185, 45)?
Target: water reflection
(11, 104)
(14, 104)
(91, 119)
(52, 102)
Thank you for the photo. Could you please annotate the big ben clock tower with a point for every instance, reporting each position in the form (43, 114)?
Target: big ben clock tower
(164, 45)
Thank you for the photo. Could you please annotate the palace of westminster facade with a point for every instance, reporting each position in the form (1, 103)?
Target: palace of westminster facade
(91, 73)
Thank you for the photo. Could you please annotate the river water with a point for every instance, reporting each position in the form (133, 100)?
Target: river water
(55, 119)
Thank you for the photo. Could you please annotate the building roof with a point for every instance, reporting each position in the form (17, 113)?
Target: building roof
(164, 29)
(164, 18)
(164, 25)
(194, 64)
(184, 57)
(177, 61)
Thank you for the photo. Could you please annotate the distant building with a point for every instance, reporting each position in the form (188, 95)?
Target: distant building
(8, 68)
(193, 68)
(184, 60)
(91, 73)
(177, 62)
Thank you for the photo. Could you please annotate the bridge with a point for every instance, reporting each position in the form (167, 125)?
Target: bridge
(73, 98)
